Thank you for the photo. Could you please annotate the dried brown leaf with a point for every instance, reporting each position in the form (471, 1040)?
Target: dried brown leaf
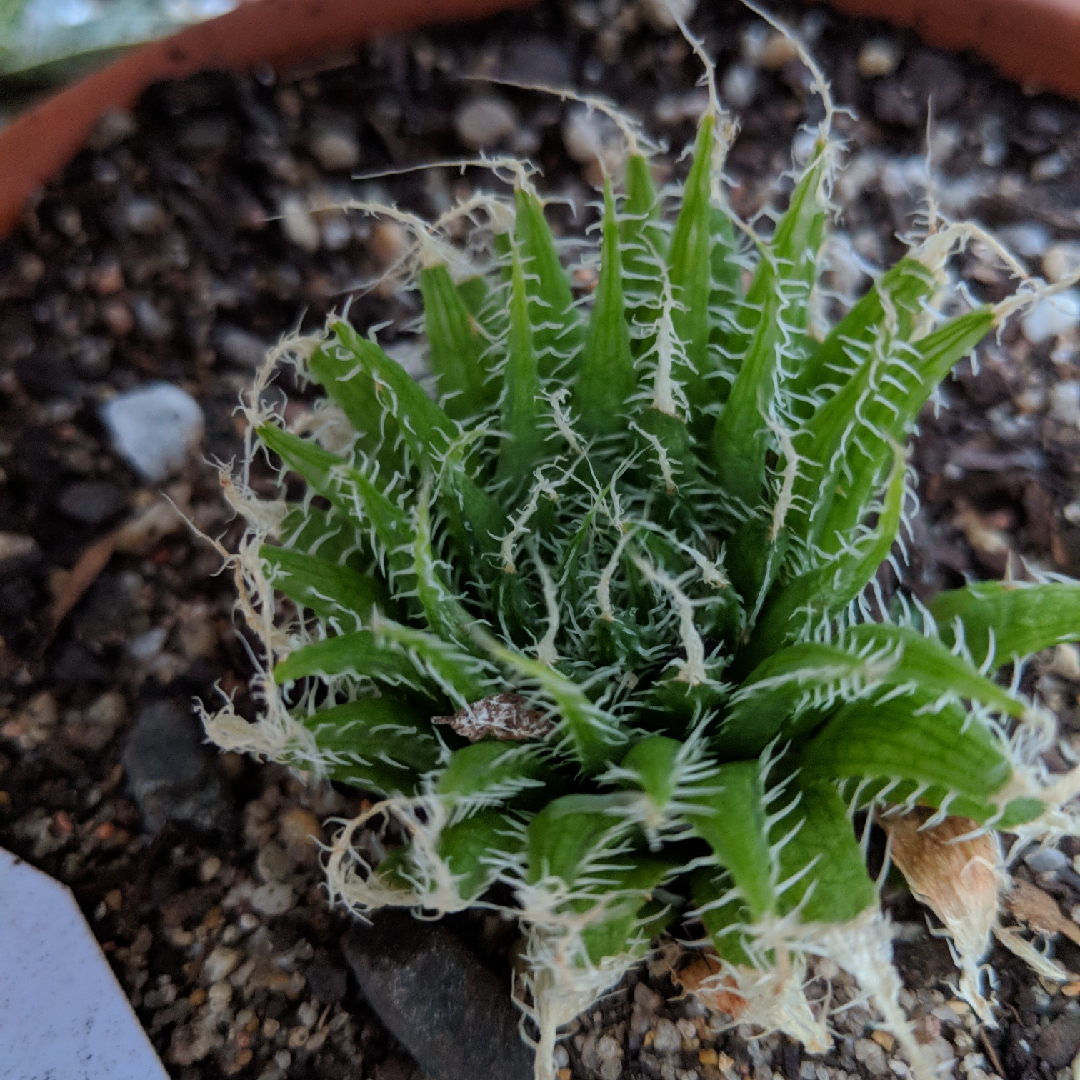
(1040, 911)
(502, 716)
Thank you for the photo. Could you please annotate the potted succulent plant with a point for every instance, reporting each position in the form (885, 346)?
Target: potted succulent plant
(603, 622)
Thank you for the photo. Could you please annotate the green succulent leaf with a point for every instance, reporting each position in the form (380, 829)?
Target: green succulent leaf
(1006, 620)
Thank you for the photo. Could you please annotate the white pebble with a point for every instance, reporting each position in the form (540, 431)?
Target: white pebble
(739, 85)
(1051, 316)
(879, 58)
(273, 898)
(1046, 860)
(221, 963)
(661, 14)
(590, 136)
(1061, 260)
(299, 227)
(668, 1040)
(336, 148)
(778, 50)
(1065, 403)
(484, 122)
(1066, 662)
(154, 428)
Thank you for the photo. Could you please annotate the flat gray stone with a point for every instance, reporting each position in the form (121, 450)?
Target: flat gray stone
(451, 1013)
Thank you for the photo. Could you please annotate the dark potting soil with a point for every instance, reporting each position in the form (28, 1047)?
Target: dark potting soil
(180, 244)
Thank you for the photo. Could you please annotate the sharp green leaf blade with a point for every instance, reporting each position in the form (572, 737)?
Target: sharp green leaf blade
(559, 334)
(653, 763)
(822, 865)
(523, 446)
(426, 429)
(902, 740)
(898, 296)
(728, 813)
(455, 345)
(690, 272)
(723, 913)
(331, 590)
(573, 835)
(381, 744)
(606, 378)
(358, 654)
(493, 770)
(777, 307)
(855, 431)
(475, 848)
(627, 889)
(1009, 619)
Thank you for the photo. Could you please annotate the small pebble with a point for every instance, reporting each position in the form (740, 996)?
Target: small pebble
(143, 215)
(297, 223)
(1049, 167)
(1061, 260)
(91, 501)
(336, 147)
(388, 243)
(879, 58)
(273, 864)
(240, 347)
(871, 1055)
(663, 15)
(739, 85)
(484, 122)
(1028, 239)
(1065, 403)
(117, 317)
(150, 321)
(115, 126)
(1052, 316)
(106, 277)
(209, 867)
(1065, 662)
(154, 428)
(299, 828)
(884, 1040)
(221, 963)
(273, 898)
(14, 546)
(777, 51)
(1046, 860)
(667, 1039)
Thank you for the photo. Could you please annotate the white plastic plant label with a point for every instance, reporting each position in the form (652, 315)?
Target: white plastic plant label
(62, 1012)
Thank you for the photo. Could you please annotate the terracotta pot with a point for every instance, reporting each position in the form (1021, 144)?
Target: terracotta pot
(1035, 42)
(38, 144)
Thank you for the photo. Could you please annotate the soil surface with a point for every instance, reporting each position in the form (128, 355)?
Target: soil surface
(180, 243)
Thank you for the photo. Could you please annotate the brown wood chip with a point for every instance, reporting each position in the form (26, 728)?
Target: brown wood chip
(501, 716)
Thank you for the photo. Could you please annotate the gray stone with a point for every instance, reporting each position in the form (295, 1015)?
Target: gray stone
(172, 774)
(91, 501)
(336, 147)
(1058, 1043)
(484, 121)
(451, 1013)
(1044, 860)
(143, 215)
(240, 347)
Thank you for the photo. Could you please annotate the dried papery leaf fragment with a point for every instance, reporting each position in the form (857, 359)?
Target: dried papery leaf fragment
(500, 716)
(958, 880)
(703, 977)
(1040, 911)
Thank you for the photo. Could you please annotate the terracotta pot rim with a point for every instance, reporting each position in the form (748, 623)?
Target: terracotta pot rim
(35, 146)
(1033, 42)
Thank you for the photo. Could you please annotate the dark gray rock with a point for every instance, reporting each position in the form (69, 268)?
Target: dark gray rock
(91, 501)
(240, 347)
(172, 773)
(903, 98)
(1058, 1043)
(447, 1009)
